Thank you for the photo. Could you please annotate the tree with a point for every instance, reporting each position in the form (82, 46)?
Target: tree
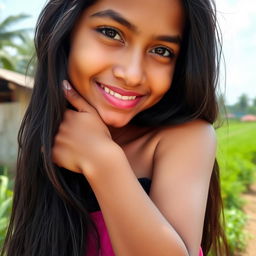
(222, 104)
(252, 108)
(8, 37)
(243, 103)
(254, 102)
(24, 63)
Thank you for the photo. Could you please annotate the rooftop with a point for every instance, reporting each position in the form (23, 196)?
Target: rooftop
(17, 78)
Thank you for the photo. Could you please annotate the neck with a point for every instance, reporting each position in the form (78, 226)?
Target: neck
(128, 133)
(117, 133)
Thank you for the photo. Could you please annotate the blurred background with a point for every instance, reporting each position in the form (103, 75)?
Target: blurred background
(237, 98)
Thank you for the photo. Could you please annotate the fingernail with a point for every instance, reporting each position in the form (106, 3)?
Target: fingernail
(66, 85)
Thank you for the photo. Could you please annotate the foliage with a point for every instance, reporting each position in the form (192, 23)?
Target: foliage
(5, 204)
(9, 39)
(236, 222)
(254, 102)
(24, 61)
(242, 106)
(236, 155)
(243, 102)
(252, 110)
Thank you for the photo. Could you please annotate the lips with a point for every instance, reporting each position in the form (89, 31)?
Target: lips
(118, 97)
(120, 91)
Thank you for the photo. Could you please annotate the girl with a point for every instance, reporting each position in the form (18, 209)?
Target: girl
(117, 149)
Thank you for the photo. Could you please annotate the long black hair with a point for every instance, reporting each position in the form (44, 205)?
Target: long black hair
(50, 215)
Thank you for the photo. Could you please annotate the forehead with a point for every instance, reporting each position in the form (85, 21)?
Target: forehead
(146, 15)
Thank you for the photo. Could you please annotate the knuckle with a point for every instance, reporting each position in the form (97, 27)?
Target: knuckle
(72, 94)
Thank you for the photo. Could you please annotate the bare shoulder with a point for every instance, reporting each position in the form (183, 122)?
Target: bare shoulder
(183, 163)
(192, 129)
(198, 136)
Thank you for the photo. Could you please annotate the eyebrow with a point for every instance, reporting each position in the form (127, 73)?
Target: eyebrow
(116, 17)
(121, 20)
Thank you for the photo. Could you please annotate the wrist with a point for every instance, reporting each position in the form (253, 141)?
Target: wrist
(103, 161)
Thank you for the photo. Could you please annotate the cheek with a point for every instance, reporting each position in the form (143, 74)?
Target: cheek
(86, 60)
(81, 63)
(161, 81)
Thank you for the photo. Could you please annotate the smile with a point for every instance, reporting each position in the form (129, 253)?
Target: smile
(117, 95)
(120, 99)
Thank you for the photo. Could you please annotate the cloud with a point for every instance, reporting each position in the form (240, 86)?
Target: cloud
(2, 6)
(238, 24)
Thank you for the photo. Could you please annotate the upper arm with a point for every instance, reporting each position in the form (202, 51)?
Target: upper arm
(183, 164)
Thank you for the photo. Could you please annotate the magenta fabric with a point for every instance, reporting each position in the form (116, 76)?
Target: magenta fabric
(105, 243)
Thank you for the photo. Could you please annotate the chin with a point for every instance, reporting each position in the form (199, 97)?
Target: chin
(116, 122)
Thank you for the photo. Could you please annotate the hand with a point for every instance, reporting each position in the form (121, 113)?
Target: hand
(83, 138)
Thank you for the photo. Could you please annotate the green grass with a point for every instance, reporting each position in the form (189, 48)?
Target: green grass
(237, 153)
(237, 158)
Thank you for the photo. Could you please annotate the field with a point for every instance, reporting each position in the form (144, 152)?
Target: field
(237, 159)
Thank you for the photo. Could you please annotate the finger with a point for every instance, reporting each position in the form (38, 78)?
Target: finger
(75, 99)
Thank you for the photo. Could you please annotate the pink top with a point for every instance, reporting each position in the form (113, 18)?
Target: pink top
(105, 243)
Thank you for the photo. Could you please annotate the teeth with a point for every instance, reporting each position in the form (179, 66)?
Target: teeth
(106, 89)
(117, 95)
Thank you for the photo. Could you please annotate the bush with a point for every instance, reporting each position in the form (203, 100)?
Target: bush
(237, 158)
(5, 206)
(235, 223)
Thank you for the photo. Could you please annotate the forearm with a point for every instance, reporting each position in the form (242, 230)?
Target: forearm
(136, 226)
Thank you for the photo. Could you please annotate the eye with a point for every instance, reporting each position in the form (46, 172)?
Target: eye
(164, 52)
(110, 33)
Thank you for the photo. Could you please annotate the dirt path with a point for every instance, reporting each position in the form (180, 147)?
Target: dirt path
(250, 209)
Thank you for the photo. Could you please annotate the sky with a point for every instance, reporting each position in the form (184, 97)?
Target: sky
(237, 20)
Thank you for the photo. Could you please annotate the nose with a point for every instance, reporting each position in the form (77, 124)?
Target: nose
(130, 69)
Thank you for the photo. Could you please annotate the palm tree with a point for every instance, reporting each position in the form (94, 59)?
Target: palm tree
(25, 58)
(8, 37)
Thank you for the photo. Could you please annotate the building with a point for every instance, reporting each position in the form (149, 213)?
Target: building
(15, 93)
(248, 118)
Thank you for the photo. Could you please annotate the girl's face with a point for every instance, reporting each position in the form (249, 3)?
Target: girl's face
(123, 55)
